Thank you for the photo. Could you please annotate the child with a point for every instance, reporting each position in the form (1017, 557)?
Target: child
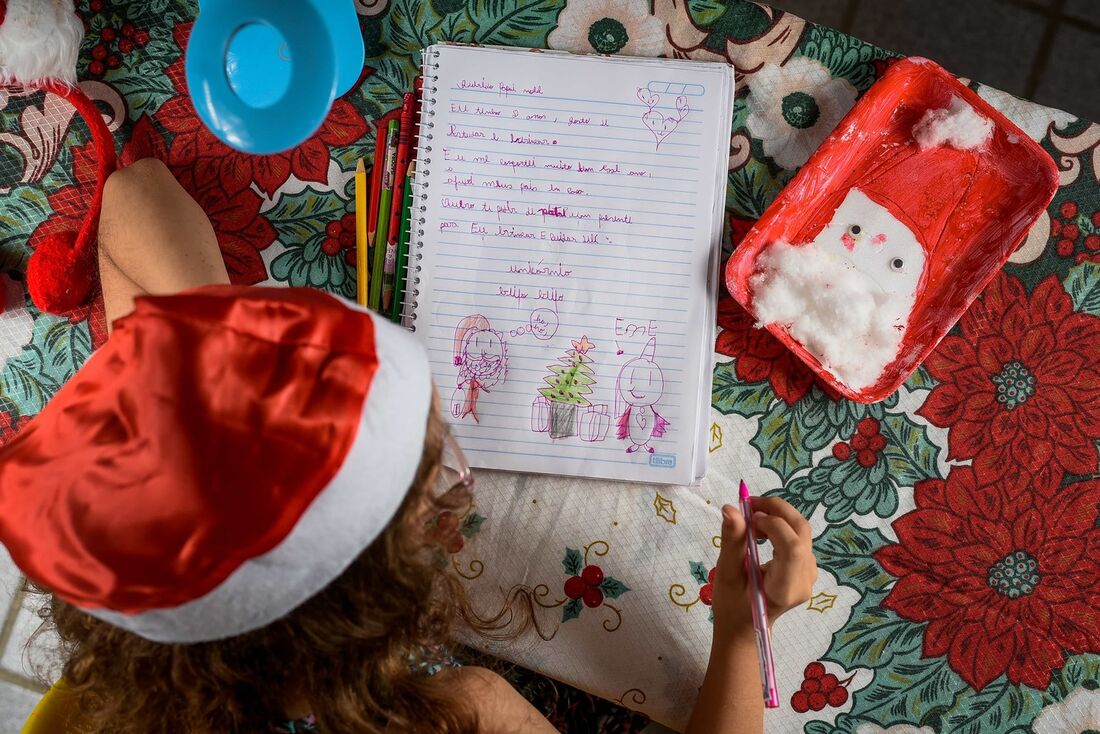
(233, 505)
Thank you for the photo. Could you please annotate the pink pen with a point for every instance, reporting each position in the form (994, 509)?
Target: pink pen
(759, 610)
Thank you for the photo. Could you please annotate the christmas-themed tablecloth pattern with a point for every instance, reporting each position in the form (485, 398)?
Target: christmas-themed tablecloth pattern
(955, 523)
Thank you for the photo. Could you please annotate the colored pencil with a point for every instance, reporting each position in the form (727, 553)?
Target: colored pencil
(362, 271)
(385, 201)
(403, 246)
(404, 141)
(376, 184)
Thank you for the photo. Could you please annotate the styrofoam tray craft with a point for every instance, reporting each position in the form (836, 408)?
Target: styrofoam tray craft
(892, 228)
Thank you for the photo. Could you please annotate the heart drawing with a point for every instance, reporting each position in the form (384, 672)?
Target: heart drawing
(658, 123)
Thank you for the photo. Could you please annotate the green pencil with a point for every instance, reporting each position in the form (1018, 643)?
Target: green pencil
(403, 247)
(384, 202)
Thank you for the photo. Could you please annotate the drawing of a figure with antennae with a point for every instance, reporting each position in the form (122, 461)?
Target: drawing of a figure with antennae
(482, 360)
(639, 388)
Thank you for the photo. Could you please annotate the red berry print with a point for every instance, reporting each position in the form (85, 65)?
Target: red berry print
(868, 427)
(125, 45)
(820, 689)
(592, 575)
(706, 594)
(1096, 218)
(96, 6)
(866, 458)
(447, 521)
(814, 670)
(1055, 227)
(1071, 231)
(331, 246)
(96, 68)
(710, 576)
(351, 257)
(575, 587)
(347, 240)
(454, 543)
(876, 443)
(1065, 248)
(333, 229)
(1068, 210)
(859, 442)
(842, 451)
(141, 38)
(127, 30)
(113, 61)
(99, 53)
(348, 222)
(593, 597)
(108, 34)
(1093, 242)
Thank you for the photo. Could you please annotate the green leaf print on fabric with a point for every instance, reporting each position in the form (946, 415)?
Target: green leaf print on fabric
(1083, 285)
(845, 56)
(57, 350)
(23, 209)
(571, 610)
(910, 455)
(699, 572)
(731, 395)
(781, 442)
(705, 12)
(512, 22)
(572, 562)
(612, 588)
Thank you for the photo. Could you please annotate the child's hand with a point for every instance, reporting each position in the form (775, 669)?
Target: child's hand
(788, 578)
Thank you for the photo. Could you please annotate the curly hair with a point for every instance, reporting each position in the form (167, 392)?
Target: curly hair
(351, 651)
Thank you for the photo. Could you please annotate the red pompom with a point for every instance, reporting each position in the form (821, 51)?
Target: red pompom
(59, 274)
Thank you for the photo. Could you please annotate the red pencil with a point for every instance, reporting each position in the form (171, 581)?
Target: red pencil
(404, 145)
(376, 183)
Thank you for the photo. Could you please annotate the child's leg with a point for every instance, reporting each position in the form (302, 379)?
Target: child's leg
(153, 238)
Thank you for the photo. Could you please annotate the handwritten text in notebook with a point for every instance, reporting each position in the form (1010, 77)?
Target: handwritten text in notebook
(568, 237)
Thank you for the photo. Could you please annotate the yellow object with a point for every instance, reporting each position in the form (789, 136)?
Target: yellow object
(56, 713)
(361, 205)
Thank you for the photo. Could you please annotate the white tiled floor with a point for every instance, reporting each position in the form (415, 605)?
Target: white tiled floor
(16, 701)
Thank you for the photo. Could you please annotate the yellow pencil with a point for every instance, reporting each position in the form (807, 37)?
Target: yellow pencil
(361, 269)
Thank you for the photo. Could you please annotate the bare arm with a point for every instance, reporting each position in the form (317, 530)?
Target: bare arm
(500, 708)
(731, 699)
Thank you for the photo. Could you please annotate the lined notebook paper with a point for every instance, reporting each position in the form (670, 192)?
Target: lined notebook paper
(566, 255)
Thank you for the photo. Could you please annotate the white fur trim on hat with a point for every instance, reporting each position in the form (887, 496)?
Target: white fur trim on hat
(39, 40)
(345, 518)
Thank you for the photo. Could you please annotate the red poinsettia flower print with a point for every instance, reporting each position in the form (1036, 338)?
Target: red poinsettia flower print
(237, 171)
(1007, 585)
(11, 426)
(1021, 386)
(758, 355)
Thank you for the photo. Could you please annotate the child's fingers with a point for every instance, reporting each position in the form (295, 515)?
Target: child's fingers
(783, 537)
(732, 555)
(780, 508)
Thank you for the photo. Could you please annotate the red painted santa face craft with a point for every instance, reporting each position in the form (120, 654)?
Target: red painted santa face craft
(223, 458)
(880, 243)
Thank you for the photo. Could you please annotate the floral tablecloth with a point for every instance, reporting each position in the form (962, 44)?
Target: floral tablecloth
(955, 523)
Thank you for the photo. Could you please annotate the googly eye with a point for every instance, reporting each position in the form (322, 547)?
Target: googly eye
(855, 230)
(897, 264)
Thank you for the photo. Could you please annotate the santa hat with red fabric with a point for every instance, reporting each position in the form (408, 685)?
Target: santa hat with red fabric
(39, 44)
(224, 457)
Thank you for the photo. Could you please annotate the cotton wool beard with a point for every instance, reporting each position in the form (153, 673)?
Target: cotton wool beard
(839, 314)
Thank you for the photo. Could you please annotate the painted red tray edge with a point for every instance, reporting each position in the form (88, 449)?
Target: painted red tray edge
(740, 265)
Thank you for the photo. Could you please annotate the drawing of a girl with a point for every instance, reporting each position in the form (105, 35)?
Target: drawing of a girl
(482, 360)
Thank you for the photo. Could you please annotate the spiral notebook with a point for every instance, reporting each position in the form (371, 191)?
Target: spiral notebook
(565, 253)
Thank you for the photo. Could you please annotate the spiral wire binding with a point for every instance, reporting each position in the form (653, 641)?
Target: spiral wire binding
(425, 127)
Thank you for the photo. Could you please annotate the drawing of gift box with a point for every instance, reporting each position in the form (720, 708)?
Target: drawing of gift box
(595, 422)
(540, 415)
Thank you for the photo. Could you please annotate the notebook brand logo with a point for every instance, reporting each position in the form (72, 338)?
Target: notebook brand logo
(664, 461)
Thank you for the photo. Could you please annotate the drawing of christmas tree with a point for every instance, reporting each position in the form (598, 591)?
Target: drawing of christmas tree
(567, 385)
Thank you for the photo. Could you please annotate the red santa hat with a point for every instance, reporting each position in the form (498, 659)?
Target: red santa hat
(39, 44)
(224, 457)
